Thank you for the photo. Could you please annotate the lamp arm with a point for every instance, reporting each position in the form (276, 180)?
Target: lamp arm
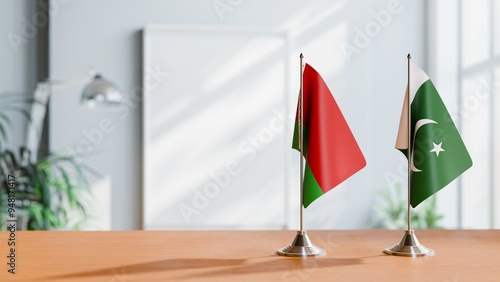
(79, 79)
(38, 111)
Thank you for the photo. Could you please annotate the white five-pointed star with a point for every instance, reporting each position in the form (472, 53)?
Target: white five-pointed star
(437, 148)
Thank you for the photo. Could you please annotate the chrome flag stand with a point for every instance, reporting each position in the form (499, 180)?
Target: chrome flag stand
(409, 246)
(301, 245)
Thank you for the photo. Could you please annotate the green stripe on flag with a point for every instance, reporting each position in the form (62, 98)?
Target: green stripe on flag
(312, 191)
(295, 143)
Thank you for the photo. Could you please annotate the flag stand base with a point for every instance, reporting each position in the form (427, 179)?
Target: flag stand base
(301, 247)
(409, 247)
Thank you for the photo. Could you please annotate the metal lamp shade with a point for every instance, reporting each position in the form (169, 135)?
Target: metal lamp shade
(101, 91)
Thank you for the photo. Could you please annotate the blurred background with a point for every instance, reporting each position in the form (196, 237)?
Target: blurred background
(202, 136)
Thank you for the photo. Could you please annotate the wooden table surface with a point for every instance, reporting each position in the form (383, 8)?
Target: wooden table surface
(354, 255)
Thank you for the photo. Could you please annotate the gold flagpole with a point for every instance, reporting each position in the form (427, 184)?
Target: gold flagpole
(409, 246)
(301, 245)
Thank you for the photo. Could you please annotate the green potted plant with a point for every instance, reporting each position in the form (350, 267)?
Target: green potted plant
(49, 193)
(392, 211)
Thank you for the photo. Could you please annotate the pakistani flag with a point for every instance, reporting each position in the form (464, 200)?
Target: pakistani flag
(438, 154)
(331, 152)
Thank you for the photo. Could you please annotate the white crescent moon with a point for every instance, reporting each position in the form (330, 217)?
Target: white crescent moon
(419, 124)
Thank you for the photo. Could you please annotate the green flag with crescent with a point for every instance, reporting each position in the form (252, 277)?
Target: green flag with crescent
(437, 153)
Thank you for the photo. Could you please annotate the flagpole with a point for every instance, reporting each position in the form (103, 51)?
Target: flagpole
(301, 141)
(409, 246)
(301, 245)
(409, 143)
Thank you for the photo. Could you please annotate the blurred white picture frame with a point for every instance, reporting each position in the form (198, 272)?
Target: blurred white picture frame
(216, 127)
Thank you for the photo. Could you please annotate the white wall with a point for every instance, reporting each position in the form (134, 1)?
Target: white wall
(17, 57)
(368, 86)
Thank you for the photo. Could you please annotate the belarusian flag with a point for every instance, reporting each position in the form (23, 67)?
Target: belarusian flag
(330, 149)
(438, 154)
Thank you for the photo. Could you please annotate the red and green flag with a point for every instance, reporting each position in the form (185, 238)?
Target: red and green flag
(437, 155)
(331, 152)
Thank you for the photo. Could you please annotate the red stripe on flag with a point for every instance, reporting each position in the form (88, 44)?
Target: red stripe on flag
(332, 151)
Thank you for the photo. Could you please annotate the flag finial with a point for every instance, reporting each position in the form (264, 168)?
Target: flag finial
(301, 56)
(409, 56)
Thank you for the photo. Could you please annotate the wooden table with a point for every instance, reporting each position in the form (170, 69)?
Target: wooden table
(461, 255)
